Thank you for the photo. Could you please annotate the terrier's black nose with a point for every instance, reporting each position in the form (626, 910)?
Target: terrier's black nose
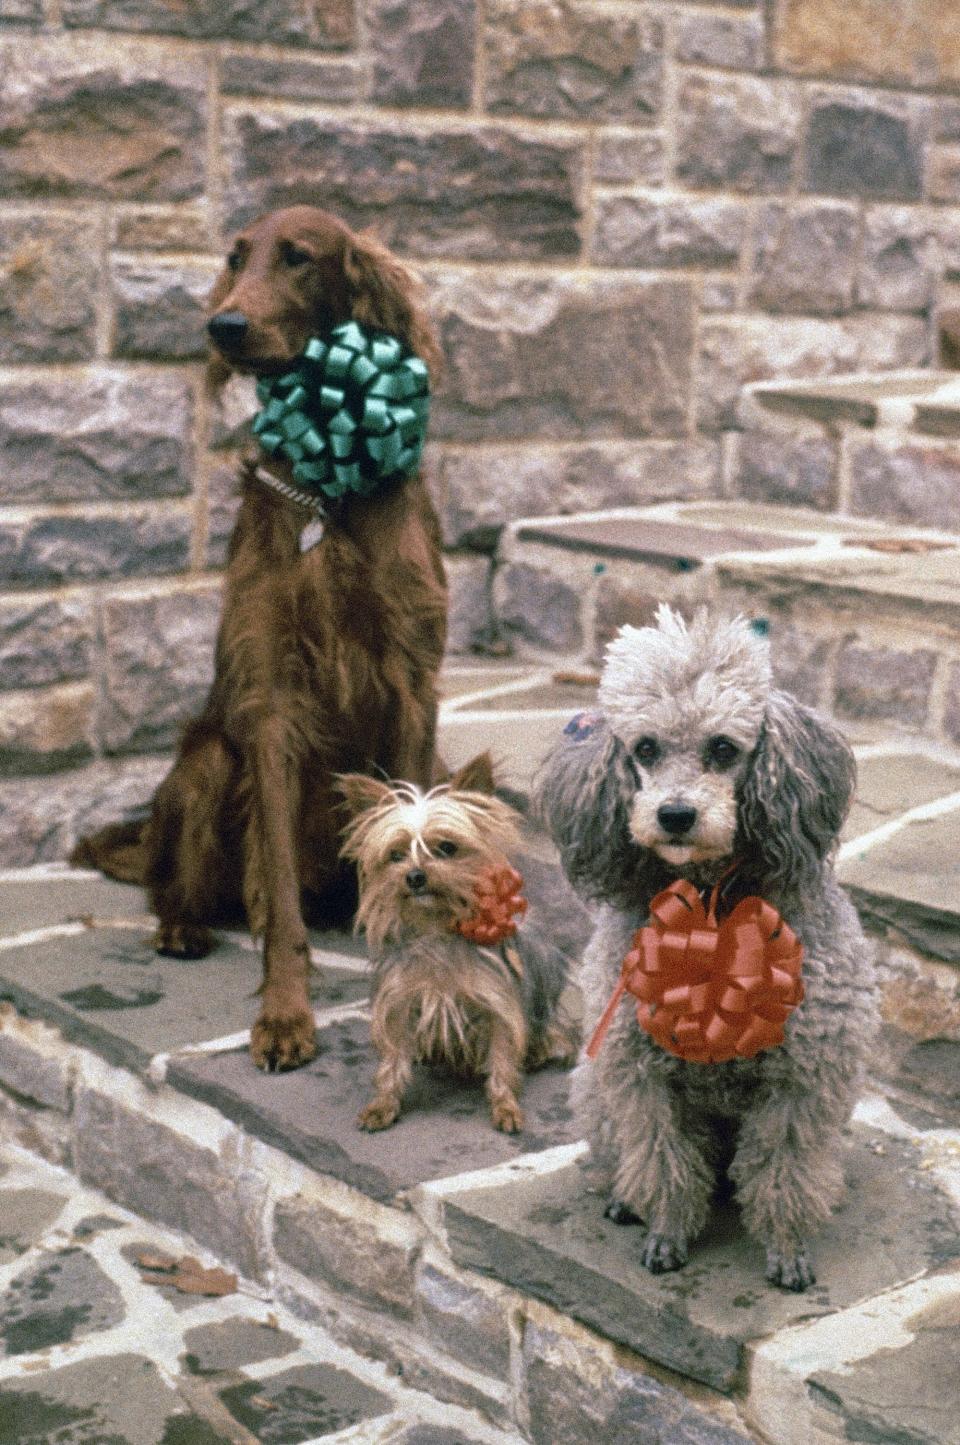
(228, 329)
(676, 818)
(416, 880)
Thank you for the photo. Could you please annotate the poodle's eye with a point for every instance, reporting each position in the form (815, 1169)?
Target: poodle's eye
(647, 751)
(397, 855)
(721, 752)
(292, 255)
(446, 848)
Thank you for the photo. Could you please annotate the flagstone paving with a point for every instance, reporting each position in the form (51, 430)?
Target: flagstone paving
(463, 1260)
(95, 1352)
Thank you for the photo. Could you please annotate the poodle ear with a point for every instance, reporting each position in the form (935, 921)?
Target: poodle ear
(360, 792)
(383, 294)
(475, 776)
(796, 794)
(583, 791)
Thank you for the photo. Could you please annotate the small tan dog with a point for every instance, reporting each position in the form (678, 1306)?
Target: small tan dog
(455, 982)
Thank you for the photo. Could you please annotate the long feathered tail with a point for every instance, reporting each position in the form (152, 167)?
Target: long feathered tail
(118, 850)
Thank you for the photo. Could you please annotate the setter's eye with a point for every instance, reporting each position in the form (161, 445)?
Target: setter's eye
(293, 255)
(235, 259)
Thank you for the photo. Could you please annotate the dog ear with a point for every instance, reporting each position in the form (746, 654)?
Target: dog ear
(361, 792)
(383, 294)
(582, 795)
(475, 776)
(796, 793)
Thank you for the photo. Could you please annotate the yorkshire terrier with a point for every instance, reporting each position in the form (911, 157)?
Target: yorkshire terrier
(455, 981)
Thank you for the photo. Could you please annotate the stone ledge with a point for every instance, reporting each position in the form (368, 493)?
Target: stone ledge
(179, 1162)
(545, 1235)
(382, 1237)
(485, 1246)
(865, 400)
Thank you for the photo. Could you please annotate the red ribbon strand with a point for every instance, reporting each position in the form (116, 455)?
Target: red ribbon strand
(498, 899)
(708, 991)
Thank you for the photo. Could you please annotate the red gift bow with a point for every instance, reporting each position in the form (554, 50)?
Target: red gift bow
(497, 896)
(709, 992)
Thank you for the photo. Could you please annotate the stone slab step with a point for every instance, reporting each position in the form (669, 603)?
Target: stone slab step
(544, 1233)
(101, 983)
(311, 1113)
(863, 616)
(866, 400)
(238, 1158)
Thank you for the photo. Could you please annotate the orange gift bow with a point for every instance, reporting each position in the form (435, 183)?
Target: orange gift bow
(708, 991)
(498, 898)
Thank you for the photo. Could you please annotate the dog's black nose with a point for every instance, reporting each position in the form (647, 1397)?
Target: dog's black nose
(416, 880)
(676, 818)
(228, 329)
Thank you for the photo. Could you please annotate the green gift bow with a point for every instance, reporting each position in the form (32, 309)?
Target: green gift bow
(351, 415)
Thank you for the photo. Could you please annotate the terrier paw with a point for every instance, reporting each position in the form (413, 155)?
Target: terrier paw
(791, 1271)
(507, 1116)
(664, 1252)
(620, 1213)
(281, 1042)
(183, 940)
(378, 1114)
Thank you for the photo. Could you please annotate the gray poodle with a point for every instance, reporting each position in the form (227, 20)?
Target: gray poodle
(695, 762)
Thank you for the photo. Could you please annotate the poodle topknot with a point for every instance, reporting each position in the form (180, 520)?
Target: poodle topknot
(695, 766)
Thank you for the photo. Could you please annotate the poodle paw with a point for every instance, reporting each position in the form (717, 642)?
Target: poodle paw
(378, 1114)
(283, 1042)
(619, 1213)
(790, 1271)
(183, 940)
(507, 1116)
(664, 1252)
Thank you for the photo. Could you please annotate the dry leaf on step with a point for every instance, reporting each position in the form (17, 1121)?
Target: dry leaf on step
(189, 1276)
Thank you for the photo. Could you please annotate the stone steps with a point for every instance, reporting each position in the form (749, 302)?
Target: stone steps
(863, 616)
(475, 1268)
(839, 534)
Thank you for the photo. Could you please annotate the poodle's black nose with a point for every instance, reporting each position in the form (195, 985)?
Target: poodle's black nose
(416, 880)
(676, 818)
(227, 330)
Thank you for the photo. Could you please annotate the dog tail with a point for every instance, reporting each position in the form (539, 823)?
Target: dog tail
(118, 850)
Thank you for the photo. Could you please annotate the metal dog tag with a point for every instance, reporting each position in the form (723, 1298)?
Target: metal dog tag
(311, 534)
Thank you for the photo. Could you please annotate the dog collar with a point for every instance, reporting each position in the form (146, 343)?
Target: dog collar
(314, 530)
(706, 991)
(351, 415)
(497, 899)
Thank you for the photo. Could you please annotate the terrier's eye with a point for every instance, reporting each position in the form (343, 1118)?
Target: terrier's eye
(292, 255)
(647, 751)
(721, 753)
(397, 855)
(446, 848)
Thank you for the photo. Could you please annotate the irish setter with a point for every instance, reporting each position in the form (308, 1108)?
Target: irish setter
(326, 659)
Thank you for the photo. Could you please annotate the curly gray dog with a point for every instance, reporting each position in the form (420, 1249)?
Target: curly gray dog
(695, 762)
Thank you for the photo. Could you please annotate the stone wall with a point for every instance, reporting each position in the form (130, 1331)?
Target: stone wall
(623, 212)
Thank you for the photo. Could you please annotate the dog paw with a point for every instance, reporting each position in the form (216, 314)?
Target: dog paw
(285, 1042)
(790, 1271)
(183, 940)
(664, 1252)
(619, 1213)
(378, 1114)
(507, 1116)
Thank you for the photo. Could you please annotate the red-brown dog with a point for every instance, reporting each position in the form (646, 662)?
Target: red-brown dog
(326, 658)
